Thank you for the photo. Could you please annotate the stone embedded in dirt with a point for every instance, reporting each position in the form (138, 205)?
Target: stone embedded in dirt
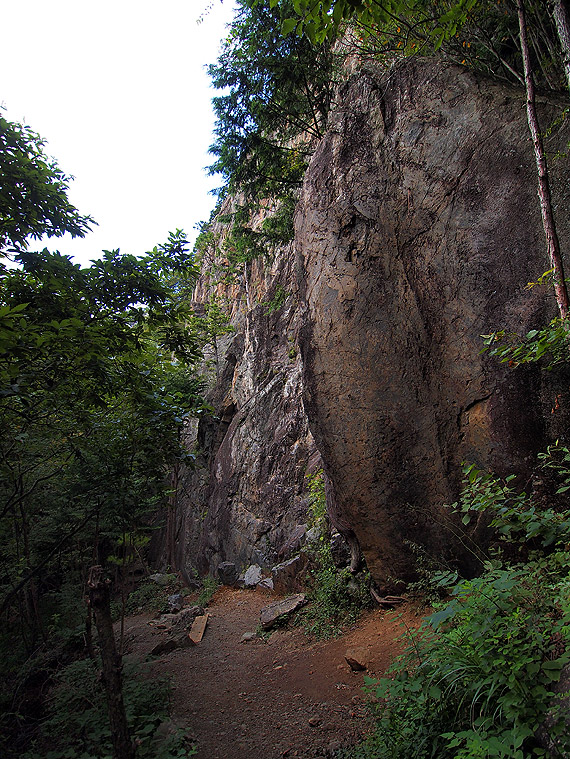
(252, 576)
(280, 610)
(184, 620)
(288, 576)
(175, 602)
(159, 578)
(248, 636)
(334, 748)
(356, 659)
(314, 721)
(163, 621)
(266, 583)
(171, 644)
(228, 573)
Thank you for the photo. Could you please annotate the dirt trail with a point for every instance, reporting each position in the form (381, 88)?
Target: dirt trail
(287, 697)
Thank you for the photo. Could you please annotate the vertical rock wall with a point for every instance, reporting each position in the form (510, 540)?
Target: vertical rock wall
(417, 231)
(246, 499)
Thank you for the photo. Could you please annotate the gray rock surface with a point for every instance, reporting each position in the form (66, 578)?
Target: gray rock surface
(289, 576)
(417, 231)
(246, 499)
(253, 576)
(175, 602)
(228, 573)
(183, 620)
(277, 612)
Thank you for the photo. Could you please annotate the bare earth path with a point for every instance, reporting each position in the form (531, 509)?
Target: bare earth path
(287, 697)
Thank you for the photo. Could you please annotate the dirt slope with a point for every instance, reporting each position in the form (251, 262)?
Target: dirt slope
(287, 697)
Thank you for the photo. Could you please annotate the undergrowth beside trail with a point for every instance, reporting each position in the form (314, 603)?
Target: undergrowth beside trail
(337, 596)
(77, 723)
(479, 680)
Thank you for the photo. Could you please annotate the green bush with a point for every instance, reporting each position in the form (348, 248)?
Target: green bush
(337, 597)
(151, 597)
(77, 725)
(476, 681)
(210, 586)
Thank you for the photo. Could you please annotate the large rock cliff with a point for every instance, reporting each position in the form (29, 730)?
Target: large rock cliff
(246, 501)
(417, 231)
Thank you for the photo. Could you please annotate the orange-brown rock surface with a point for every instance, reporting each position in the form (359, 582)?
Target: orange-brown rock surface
(417, 232)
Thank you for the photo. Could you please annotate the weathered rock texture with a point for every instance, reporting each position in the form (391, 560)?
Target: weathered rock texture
(247, 500)
(417, 232)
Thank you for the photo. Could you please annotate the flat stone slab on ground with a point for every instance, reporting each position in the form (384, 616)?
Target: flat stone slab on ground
(198, 627)
(278, 610)
(171, 644)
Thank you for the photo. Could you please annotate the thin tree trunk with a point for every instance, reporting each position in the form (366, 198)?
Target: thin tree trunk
(99, 599)
(171, 515)
(89, 632)
(552, 242)
(561, 15)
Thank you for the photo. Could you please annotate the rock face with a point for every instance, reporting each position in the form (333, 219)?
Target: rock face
(417, 231)
(246, 501)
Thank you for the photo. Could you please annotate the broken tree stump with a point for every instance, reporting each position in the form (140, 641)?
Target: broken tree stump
(100, 602)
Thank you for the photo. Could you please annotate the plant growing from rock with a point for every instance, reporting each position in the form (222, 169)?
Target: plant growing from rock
(337, 596)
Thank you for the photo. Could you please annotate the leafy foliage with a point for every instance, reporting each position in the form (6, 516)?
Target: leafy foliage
(94, 396)
(548, 345)
(275, 89)
(337, 596)
(209, 587)
(77, 724)
(477, 680)
(275, 94)
(33, 191)
(151, 597)
(96, 380)
(482, 34)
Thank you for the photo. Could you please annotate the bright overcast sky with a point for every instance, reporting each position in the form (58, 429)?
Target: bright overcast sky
(119, 90)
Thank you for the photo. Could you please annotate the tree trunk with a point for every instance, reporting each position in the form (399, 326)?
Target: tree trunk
(552, 242)
(99, 599)
(171, 515)
(561, 15)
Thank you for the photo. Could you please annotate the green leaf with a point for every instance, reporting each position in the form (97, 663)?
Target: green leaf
(288, 25)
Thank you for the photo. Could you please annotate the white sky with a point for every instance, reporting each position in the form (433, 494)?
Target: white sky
(119, 90)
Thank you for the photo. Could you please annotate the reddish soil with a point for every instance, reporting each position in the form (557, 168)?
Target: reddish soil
(287, 697)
